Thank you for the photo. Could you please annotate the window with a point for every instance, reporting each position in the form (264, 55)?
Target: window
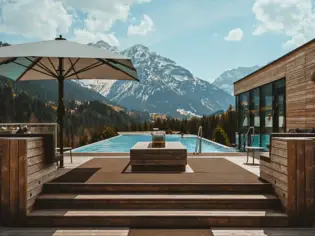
(255, 115)
(244, 111)
(237, 110)
(266, 109)
(255, 108)
(279, 106)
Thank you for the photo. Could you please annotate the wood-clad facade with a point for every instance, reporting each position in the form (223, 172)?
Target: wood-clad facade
(278, 97)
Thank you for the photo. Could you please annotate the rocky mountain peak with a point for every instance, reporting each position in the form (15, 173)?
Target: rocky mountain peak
(226, 79)
(164, 87)
(105, 45)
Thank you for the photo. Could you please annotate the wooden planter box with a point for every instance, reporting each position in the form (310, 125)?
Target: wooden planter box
(172, 157)
(291, 170)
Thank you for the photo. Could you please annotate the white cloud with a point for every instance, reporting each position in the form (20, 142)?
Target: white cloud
(292, 18)
(48, 18)
(143, 1)
(44, 19)
(235, 35)
(100, 14)
(146, 25)
(85, 36)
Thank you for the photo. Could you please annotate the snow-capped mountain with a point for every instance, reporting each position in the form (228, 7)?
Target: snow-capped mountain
(164, 86)
(106, 46)
(226, 79)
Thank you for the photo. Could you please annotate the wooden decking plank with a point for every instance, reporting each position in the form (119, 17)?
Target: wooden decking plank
(64, 231)
(263, 231)
(124, 231)
(157, 196)
(167, 213)
(99, 188)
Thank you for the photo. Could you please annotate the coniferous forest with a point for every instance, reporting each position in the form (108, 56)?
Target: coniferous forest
(91, 121)
(220, 128)
(90, 117)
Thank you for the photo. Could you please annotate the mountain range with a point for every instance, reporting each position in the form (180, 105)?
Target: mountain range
(164, 87)
(226, 79)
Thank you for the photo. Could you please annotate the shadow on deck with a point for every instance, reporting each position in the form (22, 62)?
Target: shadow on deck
(203, 171)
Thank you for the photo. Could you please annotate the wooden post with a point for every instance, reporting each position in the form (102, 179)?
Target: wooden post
(14, 177)
(309, 181)
(22, 177)
(5, 179)
(291, 198)
(300, 182)
(13, 180)
(24, 171)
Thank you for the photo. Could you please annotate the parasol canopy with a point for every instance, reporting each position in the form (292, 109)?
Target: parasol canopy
(61, 59)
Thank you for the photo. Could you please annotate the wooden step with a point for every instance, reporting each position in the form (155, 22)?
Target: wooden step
(156, 218)
(156, 201)
(192, 188)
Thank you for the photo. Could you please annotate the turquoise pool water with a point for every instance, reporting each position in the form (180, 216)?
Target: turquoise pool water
(263, 138)
(123, 143)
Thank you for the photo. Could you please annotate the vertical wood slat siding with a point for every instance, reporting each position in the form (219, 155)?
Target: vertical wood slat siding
(297, 68)
(38, 173)
(21, 178)
(292, 181)
(14, 177)
(5, 179)
(297, 190)
(310, 179)
(276, 170)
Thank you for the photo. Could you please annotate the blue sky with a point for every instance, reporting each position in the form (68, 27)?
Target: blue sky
(205, 36)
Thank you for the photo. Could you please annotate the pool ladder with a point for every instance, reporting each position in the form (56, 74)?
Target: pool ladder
(198, 147)
(249, 137)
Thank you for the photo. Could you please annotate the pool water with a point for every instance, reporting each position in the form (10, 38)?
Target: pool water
(123, 143)
(260, 140)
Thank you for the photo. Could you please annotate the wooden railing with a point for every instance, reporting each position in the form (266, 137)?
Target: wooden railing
(291, 170)
(37, 128)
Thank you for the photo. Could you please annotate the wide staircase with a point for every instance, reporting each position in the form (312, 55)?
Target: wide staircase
(157, 205)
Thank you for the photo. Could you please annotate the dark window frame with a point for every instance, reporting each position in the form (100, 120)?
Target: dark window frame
(261, 102)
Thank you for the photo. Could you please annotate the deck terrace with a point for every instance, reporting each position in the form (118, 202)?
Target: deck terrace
(202, 170)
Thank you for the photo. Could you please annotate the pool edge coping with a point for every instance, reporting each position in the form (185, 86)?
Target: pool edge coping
(76, 149)
(127, 153)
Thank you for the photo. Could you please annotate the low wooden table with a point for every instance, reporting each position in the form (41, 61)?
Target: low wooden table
(172, 157)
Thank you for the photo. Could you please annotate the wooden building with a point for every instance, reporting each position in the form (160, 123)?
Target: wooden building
(278, 97)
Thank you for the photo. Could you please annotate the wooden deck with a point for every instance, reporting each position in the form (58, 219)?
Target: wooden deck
(101, 192)
(220, 191)
(238, 160)
(214, 170)
(123, 205)
(156, 232)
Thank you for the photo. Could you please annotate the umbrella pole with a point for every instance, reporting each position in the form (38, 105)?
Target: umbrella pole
(61, 109)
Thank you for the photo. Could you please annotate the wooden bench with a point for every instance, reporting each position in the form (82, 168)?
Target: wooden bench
(253, 150)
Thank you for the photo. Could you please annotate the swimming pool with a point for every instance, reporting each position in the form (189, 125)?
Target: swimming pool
(123, 143)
